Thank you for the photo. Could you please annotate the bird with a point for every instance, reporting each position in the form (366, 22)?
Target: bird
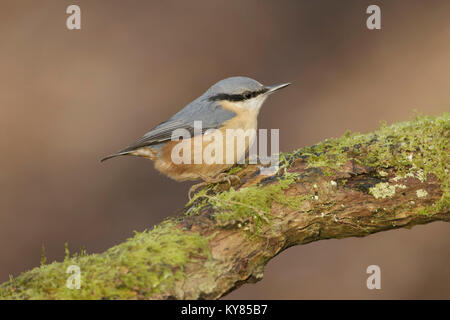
(230, 104)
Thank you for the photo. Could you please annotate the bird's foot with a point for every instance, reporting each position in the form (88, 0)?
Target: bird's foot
(222, 177)
(195, 187)
(225, 177)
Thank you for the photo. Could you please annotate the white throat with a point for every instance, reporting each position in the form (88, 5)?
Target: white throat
(253, 104)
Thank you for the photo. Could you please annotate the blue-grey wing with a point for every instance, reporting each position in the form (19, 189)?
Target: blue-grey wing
(211, 114)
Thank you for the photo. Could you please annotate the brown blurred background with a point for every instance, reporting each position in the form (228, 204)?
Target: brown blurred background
(68, 98)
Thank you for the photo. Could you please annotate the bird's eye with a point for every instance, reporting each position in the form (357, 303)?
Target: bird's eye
(247, 95)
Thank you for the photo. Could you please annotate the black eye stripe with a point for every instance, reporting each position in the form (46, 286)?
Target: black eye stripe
(237, 97)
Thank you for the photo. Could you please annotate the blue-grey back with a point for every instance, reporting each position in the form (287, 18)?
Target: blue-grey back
(205, 109)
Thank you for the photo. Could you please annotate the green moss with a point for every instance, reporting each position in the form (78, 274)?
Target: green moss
(43, 256)
(331, 154)
(236, 169)
(250, 207)
(198, 202)
(152, 261)
(66, 251)
(147, 263)
(415, 148)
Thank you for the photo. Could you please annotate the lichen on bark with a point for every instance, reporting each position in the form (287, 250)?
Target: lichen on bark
(355, 185)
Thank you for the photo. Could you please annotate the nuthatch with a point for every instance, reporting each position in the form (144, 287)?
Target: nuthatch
(232, 103)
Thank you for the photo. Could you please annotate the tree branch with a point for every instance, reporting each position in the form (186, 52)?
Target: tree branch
(352, 186)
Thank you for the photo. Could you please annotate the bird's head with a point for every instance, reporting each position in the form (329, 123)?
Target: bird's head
(242, 92)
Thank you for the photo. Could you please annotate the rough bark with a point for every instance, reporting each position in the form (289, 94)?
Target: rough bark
(353, 186)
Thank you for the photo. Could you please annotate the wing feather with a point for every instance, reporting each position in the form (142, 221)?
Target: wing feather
(211, 115)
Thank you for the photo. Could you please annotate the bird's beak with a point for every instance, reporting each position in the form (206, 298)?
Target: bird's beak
(271, 89)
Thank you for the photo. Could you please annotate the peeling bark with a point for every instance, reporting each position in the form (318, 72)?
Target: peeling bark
(363, 193)
(334, 211)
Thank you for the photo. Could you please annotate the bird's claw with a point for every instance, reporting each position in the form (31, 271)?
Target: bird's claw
(222, 177)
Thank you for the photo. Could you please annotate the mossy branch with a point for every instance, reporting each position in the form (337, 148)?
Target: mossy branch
(352, 186)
